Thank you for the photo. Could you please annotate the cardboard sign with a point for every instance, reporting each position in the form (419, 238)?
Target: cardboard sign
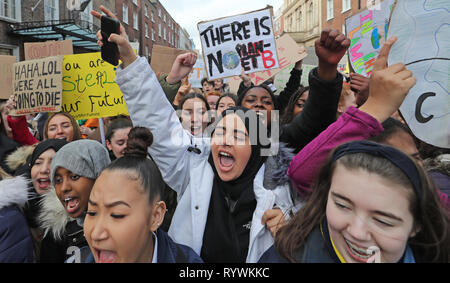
(89, 89)
(197, 74)
(239, 42)
(423, 29)
(37, 85)
(367, 32)
(163, 58)
(283, 77)
(288, 52)
(6, 79)
(38, 50)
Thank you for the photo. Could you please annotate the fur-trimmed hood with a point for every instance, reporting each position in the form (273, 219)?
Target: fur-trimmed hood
(53, 216)
(19, 157)
(14, 191)
(440, 163)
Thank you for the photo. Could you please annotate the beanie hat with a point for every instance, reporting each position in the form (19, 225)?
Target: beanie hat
(55, 144)
(86, 158)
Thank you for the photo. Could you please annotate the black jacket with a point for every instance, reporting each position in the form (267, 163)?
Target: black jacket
(7, 146)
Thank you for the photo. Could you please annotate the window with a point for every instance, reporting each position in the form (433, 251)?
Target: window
(153, 35)
(152, 15)
(146, 51)
(159, 12)
(299, 20)
(164, 33)
(311, 15)
(146, 30)
(164, 17)
(346, 5)
(51, 10)
(135, 21)
(10, 9)
(135, 2)
(159, 29)
(125, 13)
(330, 9)
(146, 10)
(86, 17)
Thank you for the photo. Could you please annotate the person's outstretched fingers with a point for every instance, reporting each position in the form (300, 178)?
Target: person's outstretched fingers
(381, 62)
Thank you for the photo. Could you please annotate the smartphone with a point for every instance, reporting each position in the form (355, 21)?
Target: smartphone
(109, 50)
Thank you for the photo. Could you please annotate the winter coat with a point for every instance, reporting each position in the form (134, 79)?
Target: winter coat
(168, 251)
(438, 169)
(185, 171)
(63, 235)
(16, 244)
(7, 146)
(351, 126)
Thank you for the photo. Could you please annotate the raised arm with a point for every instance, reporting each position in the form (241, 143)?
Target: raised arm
(325, 88)
(149, 107)
(388, 88)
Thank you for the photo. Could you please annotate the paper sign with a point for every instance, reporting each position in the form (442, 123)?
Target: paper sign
(37, 85)
(197, 74)
(6, 79)
(89, 89)
(239, 42)
(38, 50)
(283, 77)
(367, 32)
(163, 58)
(288, 56)
(423, 45)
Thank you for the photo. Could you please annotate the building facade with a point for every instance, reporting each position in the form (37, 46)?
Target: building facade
(148, 23)
(301, 20)
(334, 12)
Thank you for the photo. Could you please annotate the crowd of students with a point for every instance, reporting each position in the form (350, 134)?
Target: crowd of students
(323, 173)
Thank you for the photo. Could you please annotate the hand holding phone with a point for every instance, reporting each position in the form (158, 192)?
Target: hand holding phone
(109, 50)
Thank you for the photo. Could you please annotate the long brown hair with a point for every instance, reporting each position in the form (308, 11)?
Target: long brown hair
(430, 244)
(76, 128)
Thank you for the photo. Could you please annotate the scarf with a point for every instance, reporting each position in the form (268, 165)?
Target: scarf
(227, 231)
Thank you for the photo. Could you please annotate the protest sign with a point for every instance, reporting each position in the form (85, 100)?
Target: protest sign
(239, 42)
(89, 89)
(163, 58)
(367, 31)
(198, 72)
(422, 29)
(6, 79)
(37, 86)
(288, 54)
(283, 77)
(38, 50)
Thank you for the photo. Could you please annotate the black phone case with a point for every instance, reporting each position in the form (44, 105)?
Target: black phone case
(109, 50)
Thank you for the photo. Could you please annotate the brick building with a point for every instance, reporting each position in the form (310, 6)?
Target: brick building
(147, 23)
(334, 12)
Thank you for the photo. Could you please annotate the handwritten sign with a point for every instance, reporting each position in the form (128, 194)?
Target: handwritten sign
(423, 45)
(288, 53)
(89, 89)
(197, 74)
(37, 86)
(367, 32)
(239, 42)
(38, 50)
(6, 79)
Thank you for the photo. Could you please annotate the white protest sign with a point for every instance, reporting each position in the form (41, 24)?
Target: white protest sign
(239, 42)
(367, 32)
(423, 29)
(198, 72)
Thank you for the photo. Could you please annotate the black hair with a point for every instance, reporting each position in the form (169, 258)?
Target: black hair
(288, 115)
(230, 95)
(206, 80)
(264, 86)
(391, 126)
(136, 160)
(193, 95)
(117, 124)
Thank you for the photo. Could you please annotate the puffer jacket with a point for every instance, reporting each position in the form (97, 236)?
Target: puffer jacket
(16, 244)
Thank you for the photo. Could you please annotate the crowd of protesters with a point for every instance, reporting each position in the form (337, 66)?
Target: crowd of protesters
(324, 173)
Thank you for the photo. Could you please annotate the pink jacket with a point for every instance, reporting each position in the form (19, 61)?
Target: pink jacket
(351, 126)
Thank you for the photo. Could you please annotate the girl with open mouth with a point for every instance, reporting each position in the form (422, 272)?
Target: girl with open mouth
(125, 211)
(74, 169)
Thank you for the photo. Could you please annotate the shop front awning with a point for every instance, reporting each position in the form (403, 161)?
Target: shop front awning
(82, 33)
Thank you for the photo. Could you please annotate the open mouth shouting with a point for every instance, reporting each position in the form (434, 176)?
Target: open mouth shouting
(43, 183)
(71, 204)
(105, 256)
(226, 161)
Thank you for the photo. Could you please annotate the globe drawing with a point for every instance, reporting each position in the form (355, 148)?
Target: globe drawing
(230, 60)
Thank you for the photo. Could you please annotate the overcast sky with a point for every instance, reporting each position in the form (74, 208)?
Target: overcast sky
(187, 13)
